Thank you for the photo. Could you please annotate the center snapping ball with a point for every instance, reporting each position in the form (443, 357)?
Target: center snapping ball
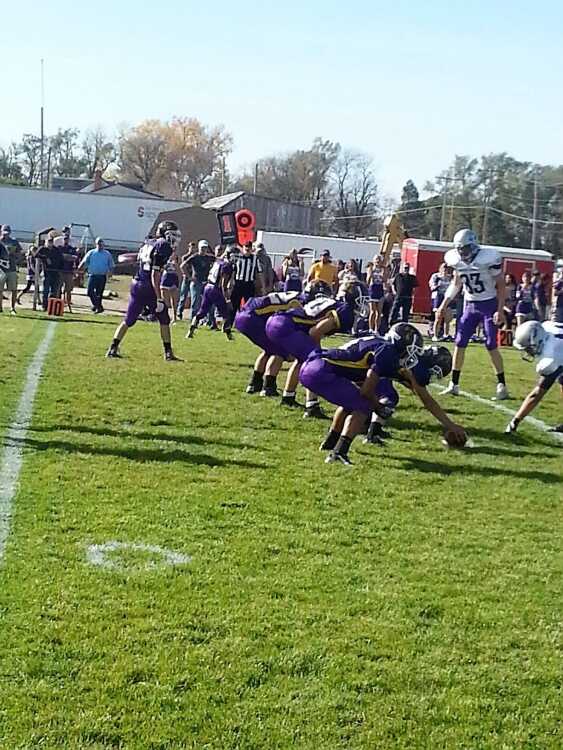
(451, 439)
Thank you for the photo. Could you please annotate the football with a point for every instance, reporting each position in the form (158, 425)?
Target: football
(451, 439)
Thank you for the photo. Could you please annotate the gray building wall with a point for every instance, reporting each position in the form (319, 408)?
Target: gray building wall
(273, 215)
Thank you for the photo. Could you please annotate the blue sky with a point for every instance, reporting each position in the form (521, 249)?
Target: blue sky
(410, 83)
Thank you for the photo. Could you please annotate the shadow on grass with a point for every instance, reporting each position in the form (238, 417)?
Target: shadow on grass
(55, 319)
(176, 438)
(141, 455)
(436, 467)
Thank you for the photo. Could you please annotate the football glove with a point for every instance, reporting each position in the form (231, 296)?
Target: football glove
(159, 306)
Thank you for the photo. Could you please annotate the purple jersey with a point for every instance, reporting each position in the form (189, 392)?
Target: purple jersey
(275, 302)
(307, 316)
(153, 256)
(357, 357)
(220, 270)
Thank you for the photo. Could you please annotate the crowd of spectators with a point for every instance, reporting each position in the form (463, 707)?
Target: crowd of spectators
(389, 297)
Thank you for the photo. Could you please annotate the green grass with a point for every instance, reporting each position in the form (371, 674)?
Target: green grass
(414, 602)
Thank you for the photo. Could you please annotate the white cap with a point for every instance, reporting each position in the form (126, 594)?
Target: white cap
(201, 244)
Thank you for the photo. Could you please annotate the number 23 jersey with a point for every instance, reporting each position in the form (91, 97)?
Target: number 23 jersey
(478, 276)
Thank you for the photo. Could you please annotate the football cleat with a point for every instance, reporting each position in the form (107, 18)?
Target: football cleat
(501, 393)
(269, 391)
(190, 333)
(451, 390)
(314, 412)
(511, 427)
(335, 458)
(112, 352)
(557, 428)
(229, 335)
(288, 401)
(171, 357)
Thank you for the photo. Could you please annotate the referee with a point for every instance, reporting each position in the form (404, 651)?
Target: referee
(246, 267)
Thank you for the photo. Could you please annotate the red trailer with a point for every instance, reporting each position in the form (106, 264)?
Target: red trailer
(425, 257)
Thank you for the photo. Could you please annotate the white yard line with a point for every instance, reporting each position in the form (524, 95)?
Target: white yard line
(13, 441)
(537, 423)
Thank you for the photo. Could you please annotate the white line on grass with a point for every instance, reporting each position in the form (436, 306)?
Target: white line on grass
(537, 423)
(13, 441)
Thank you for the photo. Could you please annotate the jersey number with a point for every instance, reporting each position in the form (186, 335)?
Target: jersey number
(473, 282)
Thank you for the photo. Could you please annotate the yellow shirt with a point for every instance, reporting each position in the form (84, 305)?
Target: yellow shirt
(323, 272)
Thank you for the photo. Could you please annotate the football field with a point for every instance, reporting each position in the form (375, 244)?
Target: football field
(182, 570)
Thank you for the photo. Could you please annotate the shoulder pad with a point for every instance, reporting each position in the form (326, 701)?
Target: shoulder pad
(451, 258)
(488, 257)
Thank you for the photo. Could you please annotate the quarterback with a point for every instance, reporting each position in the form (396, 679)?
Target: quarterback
(479, 271)
(145, 288)
(543, 342)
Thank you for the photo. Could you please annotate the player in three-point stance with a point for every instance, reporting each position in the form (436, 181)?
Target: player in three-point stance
(356, 378)
(479, 271)
(251, 322)
(145, 288)
(543, 342)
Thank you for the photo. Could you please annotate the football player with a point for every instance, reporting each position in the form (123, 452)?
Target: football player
(251, 322)
(298, 332)
(216, 293)
(543, 342)
(355, 377)
(479, 272)
(145, 288)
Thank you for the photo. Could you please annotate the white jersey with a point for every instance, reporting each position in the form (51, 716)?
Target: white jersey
(551, 357)
(479, 276)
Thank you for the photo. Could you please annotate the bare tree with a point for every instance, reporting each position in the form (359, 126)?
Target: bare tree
(354, 194)
(98, 150)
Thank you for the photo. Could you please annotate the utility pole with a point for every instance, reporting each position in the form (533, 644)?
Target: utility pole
(535, 212)
(255, 188)
(485, 209)
(446, 181)
(42, 151)
(223, 176)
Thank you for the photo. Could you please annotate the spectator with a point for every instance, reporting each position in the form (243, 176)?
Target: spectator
(511, 288)
(4, 265)
(292, 272)
(350, 273)
(70, 262)
(558, 298)
(15, 256)
(525, 295)
(404, 285)
(246, 269)
(185, 285)
(323, 270)
(30, 280)
(388, 301)
(541, 305)
(99, 265)
(438, 284)
(266, 276)
(196, 267)
(52, 258)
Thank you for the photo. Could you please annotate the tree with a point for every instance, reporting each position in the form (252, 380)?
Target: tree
(195, 156)
(142, 153)
(10, 170)
(355, 198)
(29, 156)
(62, 154)
(412, 217)
(98, 151)
(300, 176)
(181, 158)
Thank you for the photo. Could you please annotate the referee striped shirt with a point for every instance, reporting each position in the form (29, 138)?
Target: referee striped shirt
(246, 267)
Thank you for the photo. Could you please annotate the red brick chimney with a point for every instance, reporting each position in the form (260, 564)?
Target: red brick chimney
(98, 182)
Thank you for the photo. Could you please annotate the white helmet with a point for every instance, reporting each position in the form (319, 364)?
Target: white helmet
(465, 242)
(530, 338)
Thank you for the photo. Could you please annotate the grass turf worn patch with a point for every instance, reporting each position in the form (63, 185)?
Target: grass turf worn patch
(412, 602)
